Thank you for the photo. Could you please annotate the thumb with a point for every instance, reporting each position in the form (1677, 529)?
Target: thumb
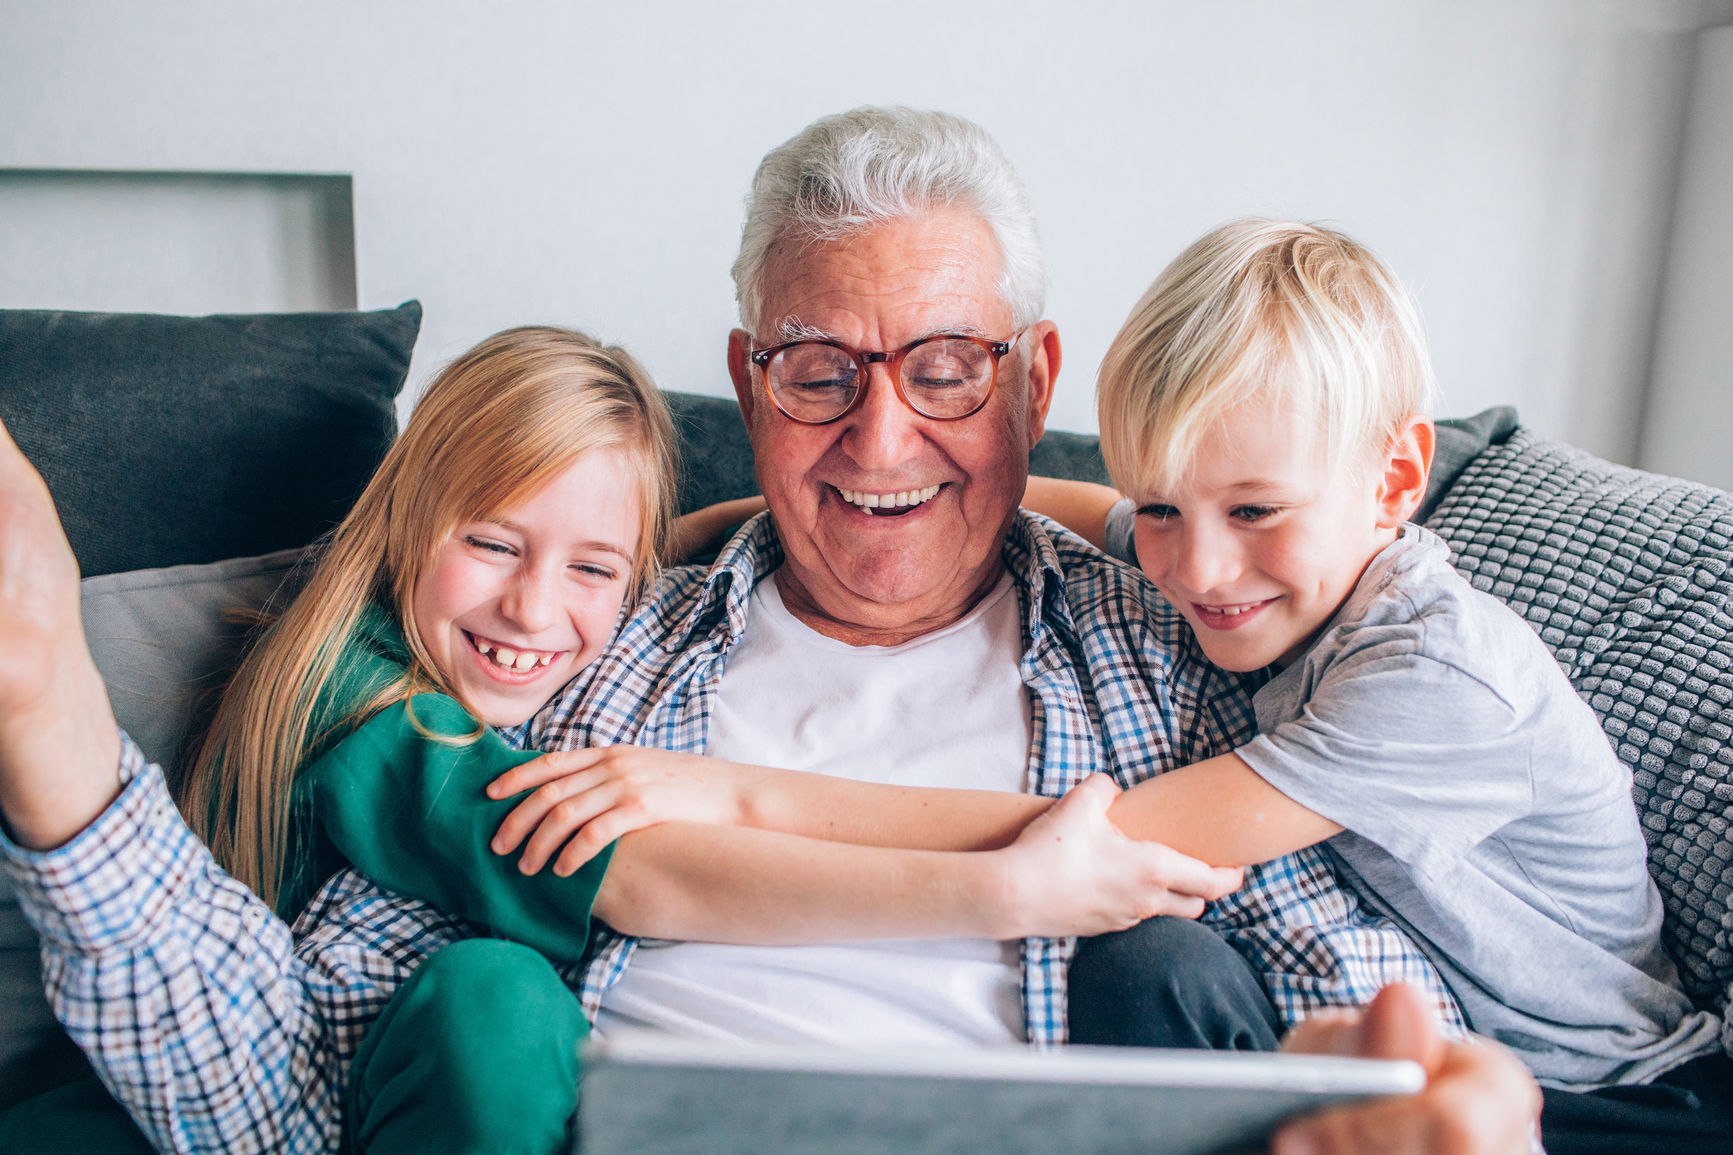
(1099, 789)
(1400, 1025)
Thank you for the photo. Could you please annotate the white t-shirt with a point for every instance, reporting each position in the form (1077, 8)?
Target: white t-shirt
(946, 709)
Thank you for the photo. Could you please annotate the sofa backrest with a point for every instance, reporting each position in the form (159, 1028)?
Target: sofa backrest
(1627, 576)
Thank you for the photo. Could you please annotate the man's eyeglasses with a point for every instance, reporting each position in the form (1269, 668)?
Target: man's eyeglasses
(944, 377)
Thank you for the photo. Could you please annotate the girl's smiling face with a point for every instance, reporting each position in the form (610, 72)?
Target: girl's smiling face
(509, 609)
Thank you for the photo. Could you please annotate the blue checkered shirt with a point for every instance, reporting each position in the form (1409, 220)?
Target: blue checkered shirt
(1116, 683)
(223, 1029)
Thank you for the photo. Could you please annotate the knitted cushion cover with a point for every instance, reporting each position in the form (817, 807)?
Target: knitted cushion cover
(1627, 577)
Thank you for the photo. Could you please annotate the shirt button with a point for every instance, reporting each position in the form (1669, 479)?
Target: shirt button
(162, 813)
(253, 917)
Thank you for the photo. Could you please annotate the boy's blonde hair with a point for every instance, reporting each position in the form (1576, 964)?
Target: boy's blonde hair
(1266, 309)
(496, 426)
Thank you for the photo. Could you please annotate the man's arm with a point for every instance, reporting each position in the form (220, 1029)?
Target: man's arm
(1069, 872)
(190, 997)
(1080, 506)
(1219, 811)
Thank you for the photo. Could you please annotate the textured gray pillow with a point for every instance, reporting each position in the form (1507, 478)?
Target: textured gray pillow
(1628, 576)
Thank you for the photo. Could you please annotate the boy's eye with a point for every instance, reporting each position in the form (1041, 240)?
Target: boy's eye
(1253, 512)
(1155, 511)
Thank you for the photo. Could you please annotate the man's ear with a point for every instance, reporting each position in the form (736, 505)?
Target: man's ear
(1406, 467)
(1044, 358)
(740, 370)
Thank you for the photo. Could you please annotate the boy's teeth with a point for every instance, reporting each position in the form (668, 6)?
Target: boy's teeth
(872, 501)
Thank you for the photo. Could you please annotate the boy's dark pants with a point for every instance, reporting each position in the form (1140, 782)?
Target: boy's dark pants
(1168, 982)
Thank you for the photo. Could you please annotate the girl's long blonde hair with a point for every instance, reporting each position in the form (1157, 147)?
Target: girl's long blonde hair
(496, 426)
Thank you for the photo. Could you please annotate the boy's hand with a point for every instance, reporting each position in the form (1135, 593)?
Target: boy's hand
(59, 750)
(585, 799)
(1073, 872)
(1479, 1099)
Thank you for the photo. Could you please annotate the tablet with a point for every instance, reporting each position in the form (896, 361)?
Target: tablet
(651, 1095)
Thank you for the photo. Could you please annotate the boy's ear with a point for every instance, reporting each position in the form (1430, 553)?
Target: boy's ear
(1406, 468)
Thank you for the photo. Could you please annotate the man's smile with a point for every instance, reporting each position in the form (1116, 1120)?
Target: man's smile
(888, 504)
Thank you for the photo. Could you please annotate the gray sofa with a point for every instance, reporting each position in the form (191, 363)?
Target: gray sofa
(1625, 575)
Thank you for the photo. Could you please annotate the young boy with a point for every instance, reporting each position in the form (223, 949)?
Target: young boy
(1265, 407)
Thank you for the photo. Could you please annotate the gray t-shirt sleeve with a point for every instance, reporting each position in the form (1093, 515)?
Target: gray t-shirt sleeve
(1120, 535)
(1410, 753)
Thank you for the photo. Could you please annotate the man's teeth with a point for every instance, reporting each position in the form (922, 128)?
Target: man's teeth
(872, 501)
(512, 659)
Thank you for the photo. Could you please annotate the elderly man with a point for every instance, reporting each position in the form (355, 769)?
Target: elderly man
(895, 618)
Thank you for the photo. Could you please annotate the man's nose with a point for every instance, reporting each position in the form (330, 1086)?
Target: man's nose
(1209, 557)
(531, 599)
(883, 432)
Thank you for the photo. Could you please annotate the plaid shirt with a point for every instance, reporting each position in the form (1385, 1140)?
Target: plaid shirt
(1116, 683)
(222, 1029)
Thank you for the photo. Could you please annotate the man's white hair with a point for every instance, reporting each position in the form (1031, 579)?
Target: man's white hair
(849, 173)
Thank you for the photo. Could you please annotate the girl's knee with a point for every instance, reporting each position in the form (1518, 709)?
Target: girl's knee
(477, 1051)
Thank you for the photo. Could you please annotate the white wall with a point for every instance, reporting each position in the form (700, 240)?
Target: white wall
(1688, 426)
(584, 163)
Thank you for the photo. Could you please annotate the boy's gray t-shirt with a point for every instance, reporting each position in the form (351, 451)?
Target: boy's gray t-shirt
(1483, 807)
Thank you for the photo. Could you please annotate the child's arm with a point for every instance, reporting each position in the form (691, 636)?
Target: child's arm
(1218, 810)
(1079, 506)
(1221, 811)
(1070, 872)
(704, 531)
(412, 813)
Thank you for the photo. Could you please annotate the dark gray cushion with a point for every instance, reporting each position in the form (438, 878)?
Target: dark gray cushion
(174, 440)
(1627, 577)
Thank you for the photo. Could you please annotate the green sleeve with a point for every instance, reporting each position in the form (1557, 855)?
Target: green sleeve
(411, 813)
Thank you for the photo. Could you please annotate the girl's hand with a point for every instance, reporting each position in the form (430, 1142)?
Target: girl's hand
(1072, 872)
(585, 799)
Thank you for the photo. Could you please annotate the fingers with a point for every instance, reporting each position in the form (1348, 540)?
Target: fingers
(1192, 877)
(1399, 1025)
(595, 836)
(1478, 1100)
(570, 794)
(548, 768)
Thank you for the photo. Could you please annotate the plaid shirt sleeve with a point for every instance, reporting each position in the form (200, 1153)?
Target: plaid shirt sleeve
(192, 999)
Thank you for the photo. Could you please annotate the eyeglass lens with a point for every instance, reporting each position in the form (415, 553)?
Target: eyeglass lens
(944, 377)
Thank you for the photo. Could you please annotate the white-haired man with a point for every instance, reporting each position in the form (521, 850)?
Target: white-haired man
(895, 618)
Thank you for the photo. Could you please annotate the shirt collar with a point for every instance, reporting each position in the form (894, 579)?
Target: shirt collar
(1033, 559)
(752, 554)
